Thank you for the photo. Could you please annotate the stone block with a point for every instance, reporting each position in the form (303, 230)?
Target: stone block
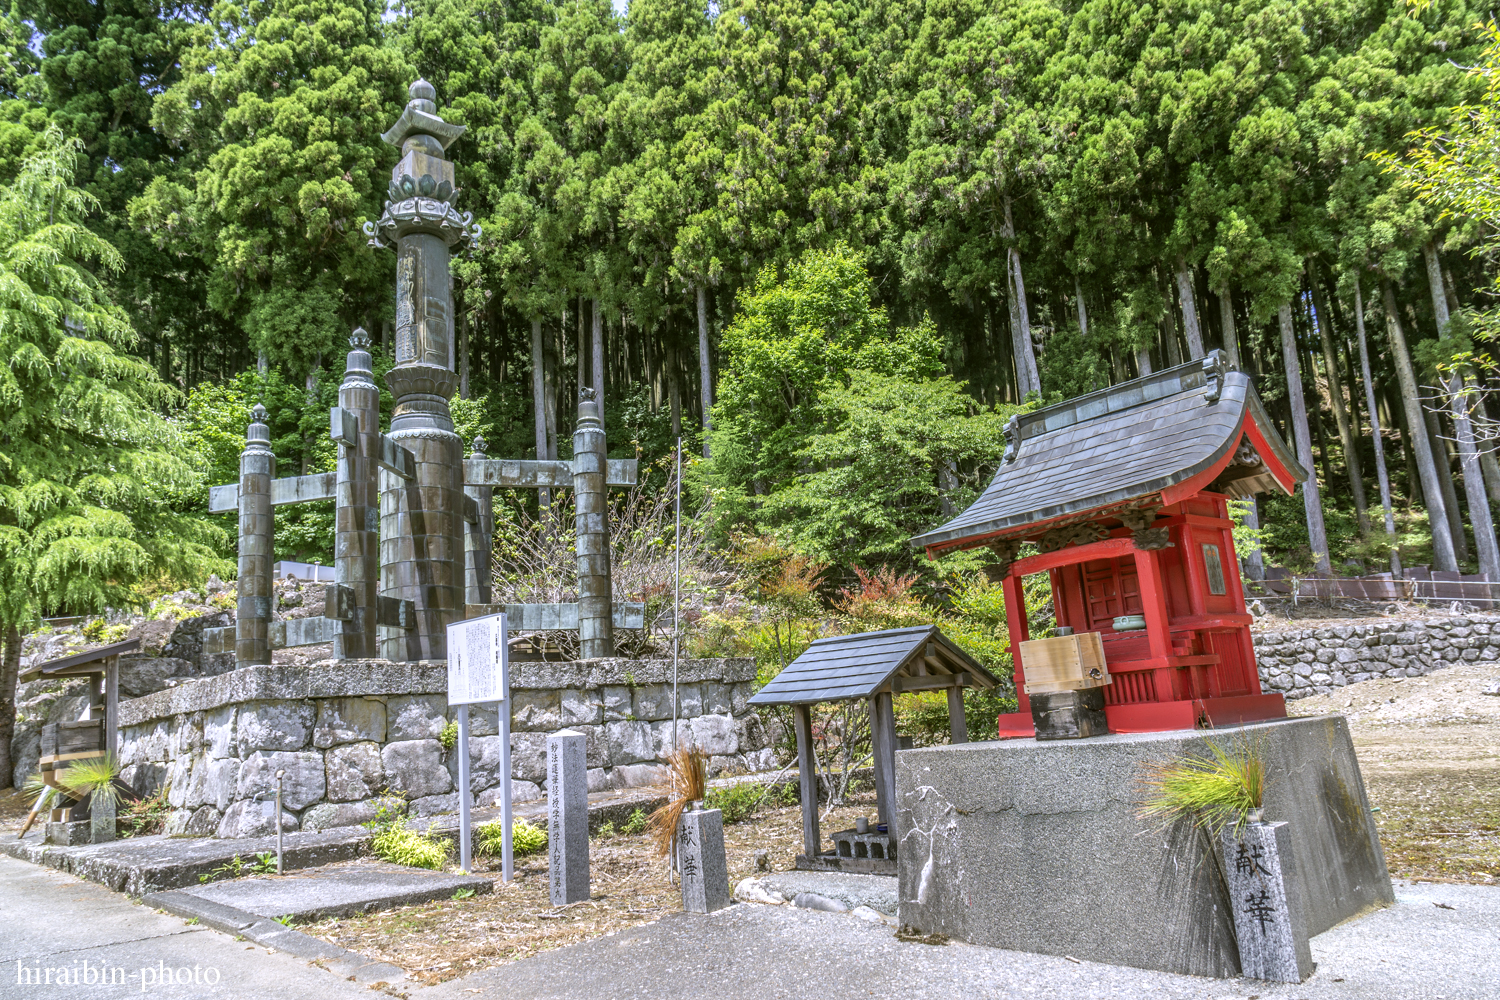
(143, 675)
(202, 822)
(144, 779)
(435, 805)
(994, 850)
(628, 742)
(302, 785)
(690, 700)
(749, 733)
(536, 711)
(601, 779)
(249, 818)
(218, 785)
(642, 775)
(720, 767)
(483, 721)
(354, 771)
(739, 697)
(520, 791)
(761, 760)
(415, 717)
(714, 735)
(528, 756)
(415, 768)
(349, 720)
(142, 744)
(329, 815)
(581, 708)
(484, 763)
(652, 702)
(617, 703)
(273, 725)
(1269, 922)
(701, 861)
(218, 731)
(179, 780)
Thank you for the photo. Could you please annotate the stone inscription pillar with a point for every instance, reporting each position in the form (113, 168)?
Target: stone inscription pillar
(477, 537)
(253, 610)
(356, 519)
(596, 636)
(421, 521)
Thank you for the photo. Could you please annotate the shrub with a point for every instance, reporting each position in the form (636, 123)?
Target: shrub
(524, 838)
(449, 736)
(635, 824)
(401, 846)
(737, 802)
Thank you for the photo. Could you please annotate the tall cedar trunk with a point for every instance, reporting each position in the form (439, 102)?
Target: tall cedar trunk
(1444, 556)
(1409, 468)
(1380, 472)
(1143, 361)
(1171, 350)
(1083, 314)
(1020, 316)
(597, 354)
(1255, 562)
(1340, 415)
(539, 402)
(1444, 461)
(1317, 535)
(1005, 360)
(10, 666)
(1226, 323)
(555, 384)
(705, 369)
(1190, 325)
(1480, 520)
(310, 392)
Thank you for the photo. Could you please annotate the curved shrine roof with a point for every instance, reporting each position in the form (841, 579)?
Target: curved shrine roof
(1123, 444)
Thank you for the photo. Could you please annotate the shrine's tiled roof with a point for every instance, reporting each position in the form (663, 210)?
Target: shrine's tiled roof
(1113, 446)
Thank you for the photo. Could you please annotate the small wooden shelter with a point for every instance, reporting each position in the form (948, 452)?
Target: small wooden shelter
(872, 667)
(1123, 491)
(98, 732)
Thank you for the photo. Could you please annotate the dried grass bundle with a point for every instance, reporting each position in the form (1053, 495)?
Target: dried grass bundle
(689, 784)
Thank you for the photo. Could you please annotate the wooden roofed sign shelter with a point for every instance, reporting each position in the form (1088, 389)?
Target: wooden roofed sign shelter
(872, 667)
(1123, 491)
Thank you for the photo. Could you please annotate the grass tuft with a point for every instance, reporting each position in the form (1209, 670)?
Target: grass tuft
(1212, 792)
(524, 838)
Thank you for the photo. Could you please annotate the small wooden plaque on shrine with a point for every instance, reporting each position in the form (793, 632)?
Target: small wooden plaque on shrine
(1064, 663)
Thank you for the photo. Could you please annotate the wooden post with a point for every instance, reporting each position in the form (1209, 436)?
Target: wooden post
(112, 706)
(883, 746)
(807, 773)
(958, 725)
(1015, 617)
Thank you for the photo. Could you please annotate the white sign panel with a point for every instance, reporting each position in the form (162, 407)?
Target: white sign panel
(477, 661)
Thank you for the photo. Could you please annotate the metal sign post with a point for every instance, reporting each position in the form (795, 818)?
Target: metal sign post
(478, 673)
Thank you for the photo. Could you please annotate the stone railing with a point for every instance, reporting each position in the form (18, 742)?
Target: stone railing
(345, 732)
(1303, 662)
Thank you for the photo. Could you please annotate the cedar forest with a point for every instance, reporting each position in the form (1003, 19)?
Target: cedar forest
(833, 244)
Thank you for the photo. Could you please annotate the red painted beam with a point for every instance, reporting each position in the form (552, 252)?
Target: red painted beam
(1106, 548)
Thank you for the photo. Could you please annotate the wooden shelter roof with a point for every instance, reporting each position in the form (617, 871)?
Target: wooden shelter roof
(847, 667)
(77, 664)
(1194, 427)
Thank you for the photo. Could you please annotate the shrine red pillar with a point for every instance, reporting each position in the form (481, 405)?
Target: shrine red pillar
(1015, 617)
(1158, 629)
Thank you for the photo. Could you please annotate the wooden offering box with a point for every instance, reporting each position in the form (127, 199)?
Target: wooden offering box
(1064, 663)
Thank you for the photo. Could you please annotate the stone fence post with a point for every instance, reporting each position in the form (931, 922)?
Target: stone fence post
(253, 611)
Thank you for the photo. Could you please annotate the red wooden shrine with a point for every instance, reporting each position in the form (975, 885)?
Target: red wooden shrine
(1124, 492)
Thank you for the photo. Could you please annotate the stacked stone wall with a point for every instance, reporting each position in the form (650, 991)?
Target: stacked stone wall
(1309, 661)
(347, 732)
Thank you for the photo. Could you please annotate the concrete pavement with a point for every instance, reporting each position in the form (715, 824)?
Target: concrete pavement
(50, 921)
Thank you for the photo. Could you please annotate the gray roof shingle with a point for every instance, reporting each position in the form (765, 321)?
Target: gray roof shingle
(857, 666)
(1114, 445)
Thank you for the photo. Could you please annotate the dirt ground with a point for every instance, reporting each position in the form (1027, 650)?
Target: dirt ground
(441, 940)
(1429, 748)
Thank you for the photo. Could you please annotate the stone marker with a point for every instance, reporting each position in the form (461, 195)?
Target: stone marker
(568, 817)
(1268, 923)
(700, 857)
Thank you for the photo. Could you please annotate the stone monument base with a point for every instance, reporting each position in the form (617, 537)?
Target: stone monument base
(1038, 847)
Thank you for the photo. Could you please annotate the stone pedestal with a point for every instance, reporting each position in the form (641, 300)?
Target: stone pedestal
(102, 814)
(701, 862)
(567, 817)
(1268, 915)
(1038, 846)
(69, 834)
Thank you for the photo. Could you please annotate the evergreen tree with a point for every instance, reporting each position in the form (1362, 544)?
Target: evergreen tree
(88, 466)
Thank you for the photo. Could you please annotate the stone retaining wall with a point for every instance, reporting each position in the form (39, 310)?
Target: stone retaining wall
(345, 732)
(1303, 662)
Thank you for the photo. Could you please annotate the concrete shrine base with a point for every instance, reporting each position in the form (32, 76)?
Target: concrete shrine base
(1038, 846)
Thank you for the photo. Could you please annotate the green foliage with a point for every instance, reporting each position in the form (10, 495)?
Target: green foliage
(1212, 792)
(264, 863)
(738, 802)
(635, 824)
(85, 457)
(147, 816)
(401, 846)
(93, 777)
(525, 838)
(449, 736)
(462, 894)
